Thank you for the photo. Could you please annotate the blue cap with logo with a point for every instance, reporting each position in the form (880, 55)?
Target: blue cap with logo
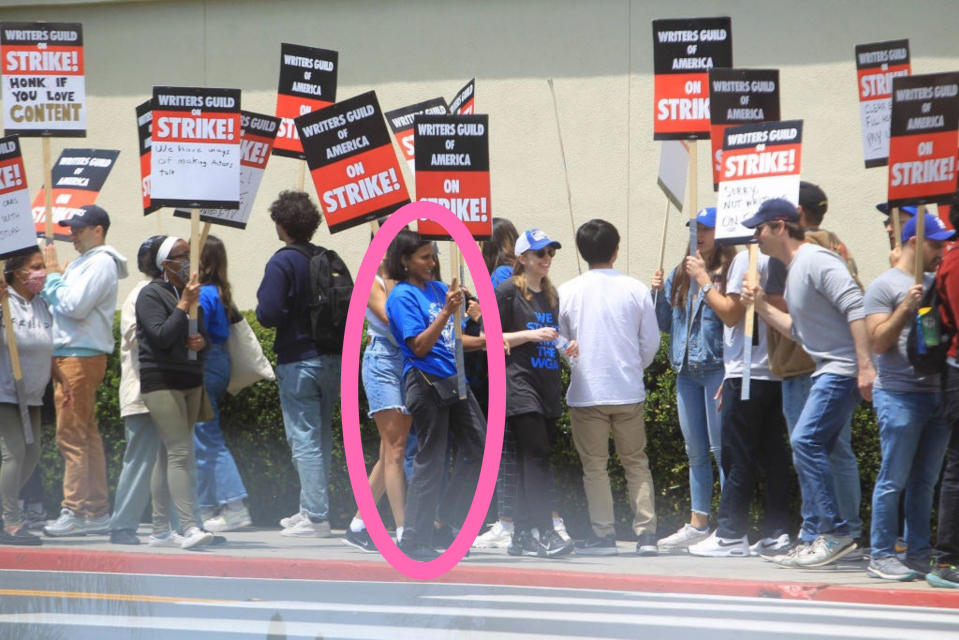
(935, 229)
(533, 239)
(90, 216)
(705, 217)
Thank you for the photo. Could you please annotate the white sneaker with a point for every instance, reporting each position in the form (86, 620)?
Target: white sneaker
(306, 528)
(170, 539)
(68, 524)
(790, 559)
(826, 549)
(289, 521)
(195, 537)
(682, 539)
(770, 545)
(498, 536)
(96, 525)
(229, 520)
(716, 547)
(560, 527)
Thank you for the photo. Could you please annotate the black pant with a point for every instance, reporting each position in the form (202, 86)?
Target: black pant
(533, 433)
(433, 424)
(753, 433)
(947, 542)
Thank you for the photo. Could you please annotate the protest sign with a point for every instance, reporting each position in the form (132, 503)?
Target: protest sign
(877, 63)
(739, 96)
(452, 169)
(401, 123)
(77, 177)
(44, 93)
(683, 53)
(760, 161)
(462, 103)
(16, 224)
(257, 134)
(307, 83)
(923, 139)
(351, 158)
(144, 124)
(673, 170)
(195, 150)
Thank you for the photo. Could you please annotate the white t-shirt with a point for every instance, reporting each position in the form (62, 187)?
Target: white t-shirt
(33, 331)
(611, 317)
(772, 281)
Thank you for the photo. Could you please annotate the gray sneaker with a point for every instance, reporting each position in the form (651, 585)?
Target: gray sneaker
(890, 568)
(96, 525)
(788, 559)
(68, 524)
(824, 550)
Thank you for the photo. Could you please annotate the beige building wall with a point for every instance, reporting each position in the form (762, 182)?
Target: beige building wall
(598, 53)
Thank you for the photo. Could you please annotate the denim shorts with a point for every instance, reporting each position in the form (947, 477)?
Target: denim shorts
(383, 377)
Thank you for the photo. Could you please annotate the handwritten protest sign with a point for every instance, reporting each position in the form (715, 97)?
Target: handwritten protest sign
(401, 123)
(195, 150)
(258, 131)
(78, 177)
(463, 102)
(44, 93)
(877, 63)
(351, 158)
(760, 161)
(307, 83)
(739, 96)
(683, 53)
(16, 225)
(452, 169)
(924, 134)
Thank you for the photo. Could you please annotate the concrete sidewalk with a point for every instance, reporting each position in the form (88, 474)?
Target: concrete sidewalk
(264, 553)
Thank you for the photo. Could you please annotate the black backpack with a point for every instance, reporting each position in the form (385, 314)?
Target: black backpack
(928, 342)
(331, 289)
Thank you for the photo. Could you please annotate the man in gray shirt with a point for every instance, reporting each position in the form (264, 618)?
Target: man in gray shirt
(826, 317)
(912, 430)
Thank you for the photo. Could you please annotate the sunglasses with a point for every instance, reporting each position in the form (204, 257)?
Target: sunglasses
(542, 253)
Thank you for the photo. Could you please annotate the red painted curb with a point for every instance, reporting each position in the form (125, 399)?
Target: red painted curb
(198, 564)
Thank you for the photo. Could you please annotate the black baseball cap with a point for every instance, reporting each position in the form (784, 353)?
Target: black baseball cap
(91, 215)
(813, 199)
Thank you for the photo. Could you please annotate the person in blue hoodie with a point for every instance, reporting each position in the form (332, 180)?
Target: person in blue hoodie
(83, 298)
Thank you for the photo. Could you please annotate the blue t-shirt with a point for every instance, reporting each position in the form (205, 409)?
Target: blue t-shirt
(500, 274)
(217, 322)
(411, 310)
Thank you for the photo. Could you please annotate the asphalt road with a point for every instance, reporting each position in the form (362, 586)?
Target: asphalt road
(99, 606)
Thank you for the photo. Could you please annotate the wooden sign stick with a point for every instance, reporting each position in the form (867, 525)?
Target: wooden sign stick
(896, 226)
(47, 191)
(920, 236)
(194, 266)
(301, 178)
(662, 249)
(752, 278)
(693, 193)
(203, 237)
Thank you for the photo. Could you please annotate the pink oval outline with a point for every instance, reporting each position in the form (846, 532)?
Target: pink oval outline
(349, 379)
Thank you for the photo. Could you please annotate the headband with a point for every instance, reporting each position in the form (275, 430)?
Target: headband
(164, 251)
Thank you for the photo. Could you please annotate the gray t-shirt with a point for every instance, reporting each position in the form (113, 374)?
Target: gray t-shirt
(772, 275)
(823, 299)
(33, 330)
(893, 371)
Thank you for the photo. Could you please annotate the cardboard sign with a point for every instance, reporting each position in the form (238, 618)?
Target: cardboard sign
(144, 124)
(78, 177)
(401, 123)
(760, 161)
(673, 170)
(683, 53)
(352, 161)
(307, 83)
(462, 102)
(16, 224)
(452, 169)
(195, 150)
(257, 134)
(739, 96)
(44, 92)
(923, 139)
(877, 64)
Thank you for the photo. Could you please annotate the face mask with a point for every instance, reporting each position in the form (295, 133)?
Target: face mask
(183, 273)
(34, 282)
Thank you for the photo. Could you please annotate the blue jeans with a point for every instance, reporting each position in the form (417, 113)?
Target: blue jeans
(912, 435)
(701, 425)
(308, 392)
(826, 413)
(842, 460)
(218, 480)
(133, 487)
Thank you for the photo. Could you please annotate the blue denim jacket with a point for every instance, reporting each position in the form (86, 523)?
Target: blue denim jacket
(705, 335)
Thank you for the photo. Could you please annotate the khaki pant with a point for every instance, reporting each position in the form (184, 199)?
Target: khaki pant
(78, 437)
(19, 458)
(591, 428)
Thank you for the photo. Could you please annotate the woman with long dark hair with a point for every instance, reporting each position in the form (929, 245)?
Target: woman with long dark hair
(219, 485)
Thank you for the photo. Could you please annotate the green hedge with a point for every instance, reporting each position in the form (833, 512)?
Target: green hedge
(253, 425)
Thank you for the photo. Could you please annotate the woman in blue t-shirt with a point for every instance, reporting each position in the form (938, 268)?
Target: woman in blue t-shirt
(218, 480)
(420, 310)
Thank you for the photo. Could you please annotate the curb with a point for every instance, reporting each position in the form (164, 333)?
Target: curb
(193, 564)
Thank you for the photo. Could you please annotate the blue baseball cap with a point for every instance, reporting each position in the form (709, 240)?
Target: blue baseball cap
(705, 217)
(532, 240)
(773, 209)
(91, 215)
(909, 210)
(935, 229)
